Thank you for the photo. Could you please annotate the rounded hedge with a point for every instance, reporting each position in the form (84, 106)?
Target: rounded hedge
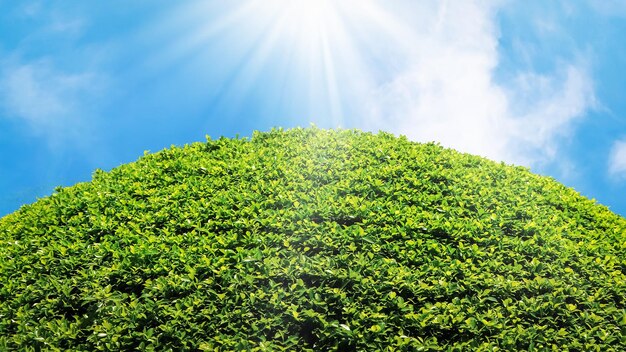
(310, 239)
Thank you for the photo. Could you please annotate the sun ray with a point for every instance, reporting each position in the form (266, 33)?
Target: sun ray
(316, 53)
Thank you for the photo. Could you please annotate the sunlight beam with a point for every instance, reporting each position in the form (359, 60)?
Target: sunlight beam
(315, 55)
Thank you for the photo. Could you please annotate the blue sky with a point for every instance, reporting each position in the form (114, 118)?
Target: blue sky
(86, 85)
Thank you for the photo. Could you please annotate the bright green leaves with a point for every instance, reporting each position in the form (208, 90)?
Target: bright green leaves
(313, 240)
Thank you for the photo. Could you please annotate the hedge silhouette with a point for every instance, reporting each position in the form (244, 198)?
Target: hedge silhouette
(312, 239)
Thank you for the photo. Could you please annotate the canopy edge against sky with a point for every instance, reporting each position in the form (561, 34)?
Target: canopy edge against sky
(86, 86)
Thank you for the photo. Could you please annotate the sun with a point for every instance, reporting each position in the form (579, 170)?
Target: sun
(310, 16)
(314, 52)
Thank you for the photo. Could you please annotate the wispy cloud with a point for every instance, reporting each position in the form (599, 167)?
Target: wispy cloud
(609, 7)
(552, 106)
(51, 18)
(52, 103)
(43, 84)
(617, 160)
(450, 93)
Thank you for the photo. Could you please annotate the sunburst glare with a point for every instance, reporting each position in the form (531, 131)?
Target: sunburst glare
(313, 52)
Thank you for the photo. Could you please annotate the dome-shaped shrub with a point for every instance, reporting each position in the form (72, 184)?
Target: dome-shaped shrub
(313, 240)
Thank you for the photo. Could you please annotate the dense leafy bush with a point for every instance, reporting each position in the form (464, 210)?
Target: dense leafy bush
(313, 240)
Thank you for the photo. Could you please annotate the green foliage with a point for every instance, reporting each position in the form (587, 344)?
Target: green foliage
(313, 240)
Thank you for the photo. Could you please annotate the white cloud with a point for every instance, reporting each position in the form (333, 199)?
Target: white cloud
(449, 92)
(52, 103)
(617, 160)
(551, 106)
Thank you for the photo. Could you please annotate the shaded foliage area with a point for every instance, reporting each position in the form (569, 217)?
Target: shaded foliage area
(313, 240)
